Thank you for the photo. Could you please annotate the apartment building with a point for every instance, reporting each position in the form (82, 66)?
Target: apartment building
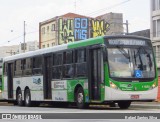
(155, 28)
(72, 27)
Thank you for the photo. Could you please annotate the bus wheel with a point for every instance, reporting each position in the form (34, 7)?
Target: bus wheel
(27, 98)
(19, 98)
(124, 104)
(80, 99)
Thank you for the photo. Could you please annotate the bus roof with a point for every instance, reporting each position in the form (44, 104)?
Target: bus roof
(82, 43)
(53, 49)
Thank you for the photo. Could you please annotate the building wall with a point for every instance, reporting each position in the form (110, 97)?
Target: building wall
(73, 27)
(30, 46)
(48, 34)
(116, 23)
(9, 50)
(155, 28)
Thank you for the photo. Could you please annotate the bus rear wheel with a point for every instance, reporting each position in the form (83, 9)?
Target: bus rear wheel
(27, 98)
(124, 104)
(19, 98)
(80, 99)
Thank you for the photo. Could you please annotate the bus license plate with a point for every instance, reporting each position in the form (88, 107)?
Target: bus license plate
(134, 96)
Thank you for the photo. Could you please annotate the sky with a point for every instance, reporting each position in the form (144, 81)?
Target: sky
(15, 12)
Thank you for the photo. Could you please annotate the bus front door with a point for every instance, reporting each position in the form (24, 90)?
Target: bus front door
(94, 69)
(47, 77)
(10, 80)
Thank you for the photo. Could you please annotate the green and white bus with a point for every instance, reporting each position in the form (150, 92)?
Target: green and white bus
(102, 70)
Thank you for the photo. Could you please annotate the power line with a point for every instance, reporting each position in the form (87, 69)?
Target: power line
(103, 9)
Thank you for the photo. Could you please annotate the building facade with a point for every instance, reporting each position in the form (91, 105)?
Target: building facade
(155, 28)
(9, 50)
(29, 46)
(115, 21)
(73, 27)
(143, 33)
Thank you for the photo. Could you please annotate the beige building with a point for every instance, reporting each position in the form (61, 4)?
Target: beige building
(73, 27)
(48, 33)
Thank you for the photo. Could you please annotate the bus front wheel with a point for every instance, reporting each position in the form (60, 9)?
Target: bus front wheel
(27, 98)
(124, 104)
(80, 101)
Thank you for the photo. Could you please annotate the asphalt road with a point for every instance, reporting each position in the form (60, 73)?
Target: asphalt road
(140, 108)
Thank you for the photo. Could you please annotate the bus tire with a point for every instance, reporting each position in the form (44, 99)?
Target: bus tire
(80, 99)
(124, 104)
(19, 98)
(27, 98)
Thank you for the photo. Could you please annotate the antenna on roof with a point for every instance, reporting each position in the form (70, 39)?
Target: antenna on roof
(75, 5)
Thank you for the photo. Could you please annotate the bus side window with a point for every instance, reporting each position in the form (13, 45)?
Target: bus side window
(5, 69)
(37, 65)
(18, 68)
(57, 66)
(27, 69)
(80, 58)
(68, 66)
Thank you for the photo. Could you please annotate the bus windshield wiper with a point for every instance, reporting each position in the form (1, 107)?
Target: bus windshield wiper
(139, 49)
(123, 52)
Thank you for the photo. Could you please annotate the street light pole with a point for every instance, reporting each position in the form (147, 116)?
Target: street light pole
(24, 45)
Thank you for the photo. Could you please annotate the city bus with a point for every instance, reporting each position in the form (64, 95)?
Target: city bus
(102, 70)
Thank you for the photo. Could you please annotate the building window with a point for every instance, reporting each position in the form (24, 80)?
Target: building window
(43, 30)
(43, 46)
(158, 52)
(155, 5)
(154, 50)
(53, 43)
(47, 45)
(47, 28)
(156, 28)
(53, 27)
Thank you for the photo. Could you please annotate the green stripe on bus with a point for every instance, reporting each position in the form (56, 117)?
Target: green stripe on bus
(92, 41)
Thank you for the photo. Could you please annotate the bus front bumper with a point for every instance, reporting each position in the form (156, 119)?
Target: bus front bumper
(116, 95)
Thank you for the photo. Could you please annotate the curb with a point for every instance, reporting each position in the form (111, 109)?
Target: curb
(153, 105)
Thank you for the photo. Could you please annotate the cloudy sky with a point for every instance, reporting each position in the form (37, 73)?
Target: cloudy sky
(15, 12)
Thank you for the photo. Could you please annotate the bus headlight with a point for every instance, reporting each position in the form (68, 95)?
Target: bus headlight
(112, 85)
(153, 86)
(0, 91)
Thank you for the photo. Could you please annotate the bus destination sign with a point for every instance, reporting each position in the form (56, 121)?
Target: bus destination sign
(127, 42)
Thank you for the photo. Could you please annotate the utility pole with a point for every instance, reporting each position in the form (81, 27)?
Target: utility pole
(24, 45)
(127, 30)
(75, 5)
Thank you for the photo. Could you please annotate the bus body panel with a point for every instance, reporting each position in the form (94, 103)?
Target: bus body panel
(115, 95)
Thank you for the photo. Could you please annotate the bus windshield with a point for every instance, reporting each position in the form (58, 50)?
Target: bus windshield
(131, 62)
